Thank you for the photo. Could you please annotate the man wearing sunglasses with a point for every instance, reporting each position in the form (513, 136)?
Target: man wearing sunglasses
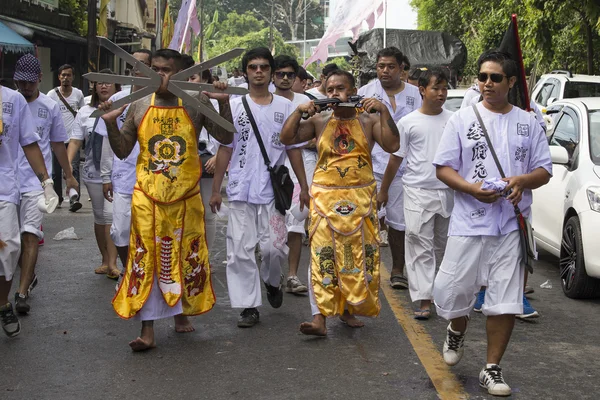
(253, 218)
(483, 247)
(284, 77)
(401, 99)
(473, 96)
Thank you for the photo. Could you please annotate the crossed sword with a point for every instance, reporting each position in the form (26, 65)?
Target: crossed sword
(178, 83)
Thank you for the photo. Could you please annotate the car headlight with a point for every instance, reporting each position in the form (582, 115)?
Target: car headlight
(593, 194)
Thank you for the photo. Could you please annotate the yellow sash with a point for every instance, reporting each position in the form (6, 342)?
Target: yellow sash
(167, 242)
(343, 222)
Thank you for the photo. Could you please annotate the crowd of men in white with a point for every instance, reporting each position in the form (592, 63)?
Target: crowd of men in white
(433, 208)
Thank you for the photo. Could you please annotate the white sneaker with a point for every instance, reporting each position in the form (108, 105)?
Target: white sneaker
(383, 235)
(453, 346)
(490, 378)
(294, 285)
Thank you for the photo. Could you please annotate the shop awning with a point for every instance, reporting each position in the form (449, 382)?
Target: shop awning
(12, 42)
(27, 29)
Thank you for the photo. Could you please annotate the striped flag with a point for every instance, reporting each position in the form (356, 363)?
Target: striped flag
(186, 19)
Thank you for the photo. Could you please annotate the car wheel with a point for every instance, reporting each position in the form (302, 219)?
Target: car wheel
(575, 282)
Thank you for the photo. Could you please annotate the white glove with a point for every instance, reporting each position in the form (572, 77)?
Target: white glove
(50, 201)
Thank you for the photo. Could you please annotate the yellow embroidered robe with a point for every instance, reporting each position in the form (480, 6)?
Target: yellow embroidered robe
(167, 218)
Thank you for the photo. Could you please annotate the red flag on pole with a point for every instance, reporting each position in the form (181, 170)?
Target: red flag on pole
(511, 44)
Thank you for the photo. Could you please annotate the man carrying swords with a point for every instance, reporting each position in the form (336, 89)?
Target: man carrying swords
(167, 272)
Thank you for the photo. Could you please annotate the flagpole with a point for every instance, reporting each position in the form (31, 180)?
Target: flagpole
(187, 25)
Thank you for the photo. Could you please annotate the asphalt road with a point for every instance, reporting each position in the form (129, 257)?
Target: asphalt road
(73, 345)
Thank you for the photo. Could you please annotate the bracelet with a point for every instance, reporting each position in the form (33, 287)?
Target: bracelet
(47, 182)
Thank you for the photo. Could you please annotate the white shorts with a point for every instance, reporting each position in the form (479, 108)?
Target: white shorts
(30, 216)
(393, 212)
(10, 235)
(474, 261)
(101, 207)
(121, 223)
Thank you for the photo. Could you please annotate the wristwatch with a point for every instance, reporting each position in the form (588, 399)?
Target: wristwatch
(47, 182)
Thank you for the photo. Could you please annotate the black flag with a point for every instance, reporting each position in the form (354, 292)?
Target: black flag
(511, 44)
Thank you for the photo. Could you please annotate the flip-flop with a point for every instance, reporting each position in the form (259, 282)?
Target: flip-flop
(399, 282)
(101, 270)
(422, 315)
(114, 274)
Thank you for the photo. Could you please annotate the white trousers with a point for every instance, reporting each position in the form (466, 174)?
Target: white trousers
(210, 219)
(11, 236)
(425, 241)
(474, 261)
(249, 225)
(394, 209)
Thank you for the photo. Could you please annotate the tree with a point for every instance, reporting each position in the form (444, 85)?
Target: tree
(555, 33)
(77, 9)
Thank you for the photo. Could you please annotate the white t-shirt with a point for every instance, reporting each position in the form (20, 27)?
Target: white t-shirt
(249, 179)
(521, 146)
(82, 130)
(233, 81)
(315, 92)
(75, 100)
(307, 155)
(48, 123)
(18, 131)
(420, 135)
(123, 171)
(408, 100)
(212, 144)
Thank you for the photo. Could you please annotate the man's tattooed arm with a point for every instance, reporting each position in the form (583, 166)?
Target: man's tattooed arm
(385, 132)
(123, 141)
(36, 160)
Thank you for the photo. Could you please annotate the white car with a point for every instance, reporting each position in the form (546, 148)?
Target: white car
(566, 211)
(559, 85)
(454, 99)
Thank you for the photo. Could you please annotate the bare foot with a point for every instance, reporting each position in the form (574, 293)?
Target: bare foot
(141, 344)
(146, 340)
(183, 324)
(317, 327)
(351, 320)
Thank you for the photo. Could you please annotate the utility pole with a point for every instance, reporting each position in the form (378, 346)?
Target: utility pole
(271, 27)
(304, 50)
(92, 40)
(158, 42)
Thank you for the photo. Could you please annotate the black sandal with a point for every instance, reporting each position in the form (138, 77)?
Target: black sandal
(399, 282)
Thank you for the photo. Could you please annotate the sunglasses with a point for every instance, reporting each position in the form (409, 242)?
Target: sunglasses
(255, 67)
(282, 74)
(496, 78)
(407, 67)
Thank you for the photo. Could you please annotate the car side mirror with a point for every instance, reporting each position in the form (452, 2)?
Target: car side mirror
(559, 155)
(551, 100)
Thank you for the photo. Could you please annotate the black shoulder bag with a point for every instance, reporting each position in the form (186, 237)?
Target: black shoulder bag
(525, 229)
(283, 187)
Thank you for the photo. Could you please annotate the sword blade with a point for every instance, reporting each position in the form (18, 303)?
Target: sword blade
(128, 58)
(196, 69)
(207, 112)
(123, 80)
(207, 87)
(125, 100)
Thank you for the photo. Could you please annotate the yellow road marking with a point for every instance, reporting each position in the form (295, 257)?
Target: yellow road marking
(445, 382)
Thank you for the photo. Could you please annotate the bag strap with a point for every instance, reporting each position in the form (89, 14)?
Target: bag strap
(61, 97)
(488, 140)
(491, 147)
(256, 133)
